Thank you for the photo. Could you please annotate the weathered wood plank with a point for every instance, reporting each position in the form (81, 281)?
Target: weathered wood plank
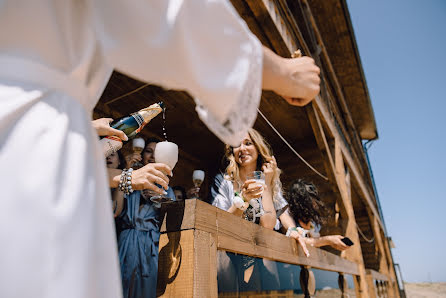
(187, 264)
(235, 234)
(377, 275)
(205, 265)
(176, 264)
(178, 216)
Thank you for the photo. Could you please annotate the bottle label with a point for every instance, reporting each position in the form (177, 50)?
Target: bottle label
(110, 144)
(140, 120)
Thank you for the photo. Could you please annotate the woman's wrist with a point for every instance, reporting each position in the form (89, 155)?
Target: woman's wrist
(113, 177)
(239, 201)
(273, 70)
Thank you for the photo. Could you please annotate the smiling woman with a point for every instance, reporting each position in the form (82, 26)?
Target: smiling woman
(262, 203)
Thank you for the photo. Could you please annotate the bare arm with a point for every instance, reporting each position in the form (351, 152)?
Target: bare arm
(268, 220)
(288, 222)
(118, 202)
(332, 240)
(234, 210)
(296, 79)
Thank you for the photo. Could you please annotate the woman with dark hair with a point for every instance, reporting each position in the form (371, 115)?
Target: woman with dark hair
(116, 161)
(308, 211)
(138, 242)
(180, 192)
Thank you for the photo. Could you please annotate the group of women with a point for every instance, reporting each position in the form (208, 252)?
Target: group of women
(137, 219)
(294, 214)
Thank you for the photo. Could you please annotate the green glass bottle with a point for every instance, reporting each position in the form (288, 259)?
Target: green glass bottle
(131, 125)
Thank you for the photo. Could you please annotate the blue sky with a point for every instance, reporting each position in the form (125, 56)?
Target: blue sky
(402, 45)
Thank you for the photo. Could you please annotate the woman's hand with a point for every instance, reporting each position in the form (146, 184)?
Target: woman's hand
(268, 169)
(296, 79)
(131, 159)
(192, 192)
(335, 241)
(251, 189)
(301, 241)
(147, 176)
(103, 128)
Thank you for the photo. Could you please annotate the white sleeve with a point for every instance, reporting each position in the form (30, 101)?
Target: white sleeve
(200, 46)
(223, 198)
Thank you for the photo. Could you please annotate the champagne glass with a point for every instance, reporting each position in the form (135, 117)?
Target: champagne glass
(166, 153)
(138, 145)
(197, 178)
(259, 178)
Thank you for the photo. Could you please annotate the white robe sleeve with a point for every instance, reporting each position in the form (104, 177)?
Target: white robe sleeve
(200, 46)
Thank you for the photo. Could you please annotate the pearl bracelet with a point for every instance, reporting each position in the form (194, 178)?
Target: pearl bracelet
(125, 182)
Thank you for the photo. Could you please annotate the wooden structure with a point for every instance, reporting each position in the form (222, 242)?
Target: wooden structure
(327, 133)
(193, 232)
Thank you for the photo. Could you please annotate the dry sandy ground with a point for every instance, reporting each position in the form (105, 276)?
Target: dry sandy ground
(413, 290)
(421, 290)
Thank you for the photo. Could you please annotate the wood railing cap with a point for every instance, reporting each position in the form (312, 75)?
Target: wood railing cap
(377, 275)
(237, 235)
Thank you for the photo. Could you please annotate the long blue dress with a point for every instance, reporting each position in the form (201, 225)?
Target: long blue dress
(138, 246)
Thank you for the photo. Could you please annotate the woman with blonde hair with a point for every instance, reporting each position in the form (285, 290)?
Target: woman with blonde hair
(261, 203)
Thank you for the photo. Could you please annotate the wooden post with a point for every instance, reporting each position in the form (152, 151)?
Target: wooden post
(373, 290)
(336, 171)
(187, 265)
(343, 285)
(307, 281)
(354, 253)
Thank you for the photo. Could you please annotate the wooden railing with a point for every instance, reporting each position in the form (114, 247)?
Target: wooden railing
(193, 231)
(378, 281)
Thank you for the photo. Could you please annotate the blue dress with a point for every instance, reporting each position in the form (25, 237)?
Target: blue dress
(138, 246)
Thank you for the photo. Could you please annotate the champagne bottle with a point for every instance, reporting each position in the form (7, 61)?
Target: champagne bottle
(131, 125)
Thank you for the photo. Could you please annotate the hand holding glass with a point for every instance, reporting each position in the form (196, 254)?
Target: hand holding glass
(166, 153)
(197, 178)
(259, 178)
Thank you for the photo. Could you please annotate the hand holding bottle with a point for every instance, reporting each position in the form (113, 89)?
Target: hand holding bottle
(103, 128)
(130, 125)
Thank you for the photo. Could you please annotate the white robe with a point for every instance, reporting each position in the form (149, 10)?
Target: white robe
(56, 225)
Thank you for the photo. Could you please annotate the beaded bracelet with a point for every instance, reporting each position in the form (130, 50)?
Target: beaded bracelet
(125, 182)
(300, 230)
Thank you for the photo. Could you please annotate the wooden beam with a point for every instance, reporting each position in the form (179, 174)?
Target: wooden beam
(366, 195)
(373, 290)
(268, 12)
(235, 234)
(176, 264)
(274, 25)
(205, 265)
(377, 275)
(187, 265)
(331, 71)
